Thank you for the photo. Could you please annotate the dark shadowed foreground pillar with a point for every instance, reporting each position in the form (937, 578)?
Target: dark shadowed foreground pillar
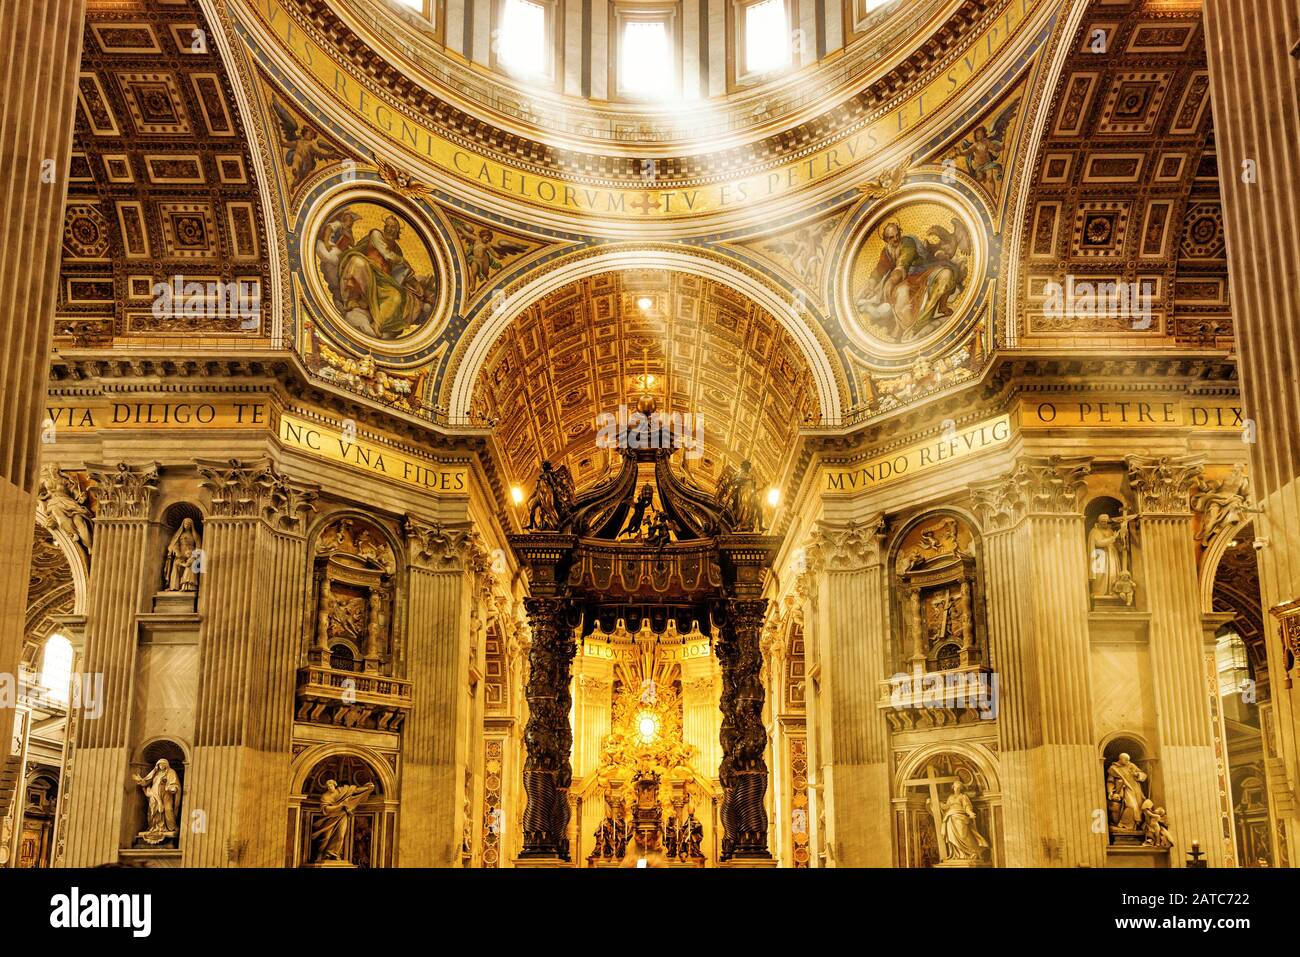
(40, 50)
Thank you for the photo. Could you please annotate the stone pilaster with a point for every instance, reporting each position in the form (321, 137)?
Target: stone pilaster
(119, 582)
(1036, 588)
(700, 711)
(547, 735)
(845, 565)
(1186, 747)
(40, 47)
(444, 558)
(1249, 46)
(251, 603)
(594, 683)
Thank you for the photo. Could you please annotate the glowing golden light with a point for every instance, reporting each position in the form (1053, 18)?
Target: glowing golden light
(516, 495)
(774, 496)
(644, 303)
(648, 725)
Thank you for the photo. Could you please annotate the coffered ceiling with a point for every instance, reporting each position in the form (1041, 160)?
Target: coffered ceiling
(1125, 181)
(579, 352)
(161, 186)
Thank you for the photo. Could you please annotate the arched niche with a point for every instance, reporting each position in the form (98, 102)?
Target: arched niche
(181, 559)
(936, 573)
(145, 829)
(933, 826)
(370, 835)
(1120, 787)
(1110, 539)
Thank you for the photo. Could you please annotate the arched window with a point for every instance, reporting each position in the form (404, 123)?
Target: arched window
(56, 667)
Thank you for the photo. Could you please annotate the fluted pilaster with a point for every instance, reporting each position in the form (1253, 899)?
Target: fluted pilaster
(1187, 758)
(119, 582)
(855, 773)
(1036, 577)
(251, 605)
(443, 559)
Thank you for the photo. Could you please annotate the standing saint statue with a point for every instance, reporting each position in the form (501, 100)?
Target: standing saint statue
(337, 805)
(963, 841)
(183, 551)
(1108, 550)
(162, 791)
(1124, 792)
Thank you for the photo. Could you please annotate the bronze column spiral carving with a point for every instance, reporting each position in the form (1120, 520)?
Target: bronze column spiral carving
(547, 735)
(743, 773)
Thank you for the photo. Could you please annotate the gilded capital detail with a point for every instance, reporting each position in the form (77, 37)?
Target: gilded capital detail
(445, 545)
(237, 489)
(124, 491)
(844, 546)
(1036, 486)
(1163, 485)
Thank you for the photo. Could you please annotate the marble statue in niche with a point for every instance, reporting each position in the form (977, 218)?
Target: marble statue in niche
(1110, 576)
(1124, 793)
(963, 843)
(946, 822)
(184, 559)
(337, 806)
(1133, 816)
(162, 794)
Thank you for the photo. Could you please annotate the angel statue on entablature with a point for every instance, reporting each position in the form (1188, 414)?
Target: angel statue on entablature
(551, 503)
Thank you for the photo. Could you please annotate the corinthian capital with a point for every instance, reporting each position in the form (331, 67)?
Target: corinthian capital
(288, 503)
(1163, 485)
(449, 545)
(844, 546)
(1036, 486)
(237, 489)
(124, 491)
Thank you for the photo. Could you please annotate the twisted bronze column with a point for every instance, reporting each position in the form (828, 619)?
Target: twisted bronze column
(743, 773)
(547, 735)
